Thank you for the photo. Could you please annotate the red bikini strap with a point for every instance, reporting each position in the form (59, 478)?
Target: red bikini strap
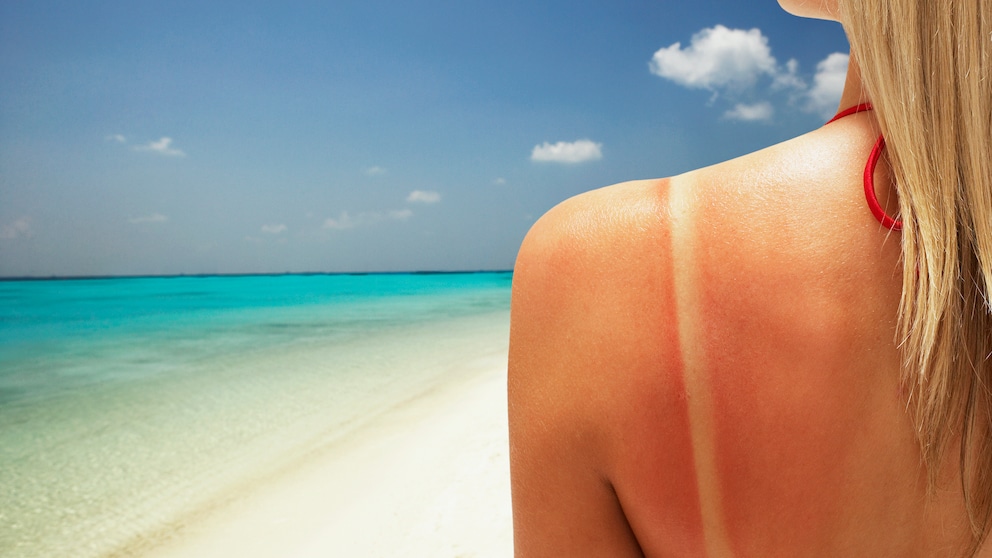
(849, 111)
(869, 177)
(873, 205)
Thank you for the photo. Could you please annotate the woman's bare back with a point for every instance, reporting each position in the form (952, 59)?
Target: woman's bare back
(707, 365)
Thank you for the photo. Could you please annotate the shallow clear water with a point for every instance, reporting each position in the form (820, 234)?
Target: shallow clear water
(57, 335)
(128, 406)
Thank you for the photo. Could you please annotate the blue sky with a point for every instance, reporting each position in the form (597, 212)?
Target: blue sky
(142, 137)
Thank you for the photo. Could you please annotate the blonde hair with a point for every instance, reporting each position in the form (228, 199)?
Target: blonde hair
(927, 69)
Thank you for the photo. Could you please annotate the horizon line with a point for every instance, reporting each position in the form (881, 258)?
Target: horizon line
(246, 274)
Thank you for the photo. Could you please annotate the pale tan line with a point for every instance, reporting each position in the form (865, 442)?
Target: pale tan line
(682, 206)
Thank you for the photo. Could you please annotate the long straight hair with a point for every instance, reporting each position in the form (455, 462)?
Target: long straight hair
(927, 68)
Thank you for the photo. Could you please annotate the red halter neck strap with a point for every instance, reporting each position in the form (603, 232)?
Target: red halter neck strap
(849, 111)
(869, 178)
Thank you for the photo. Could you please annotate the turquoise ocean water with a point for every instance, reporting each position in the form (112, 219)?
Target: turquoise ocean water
(129, 407)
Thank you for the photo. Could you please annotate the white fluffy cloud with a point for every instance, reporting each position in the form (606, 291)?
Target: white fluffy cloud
(788, 78)
(828, 83)
(734, 62)
(751, 113)
(153, 218)
(346, 220)
(567, 152)
(343, 221)
(423, 196)
(717, 57)
(163, 147)
(274, 229)
(19, 228)
(117, 138)
(375, 171)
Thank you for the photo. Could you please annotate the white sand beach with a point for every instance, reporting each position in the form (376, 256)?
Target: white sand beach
(427, 478)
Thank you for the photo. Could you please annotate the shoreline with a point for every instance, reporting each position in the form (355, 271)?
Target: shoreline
(139, 418)
(124, 468)
(426, 477)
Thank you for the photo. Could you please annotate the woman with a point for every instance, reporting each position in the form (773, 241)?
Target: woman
(776, 356)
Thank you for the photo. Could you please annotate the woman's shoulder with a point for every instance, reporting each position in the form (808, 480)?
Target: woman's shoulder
(588, 226)
(593, 257)
(596, 272)
(732, 327)
(792, 209)
(781, 236)
(594, 353)
(808, 186)
(593, 275)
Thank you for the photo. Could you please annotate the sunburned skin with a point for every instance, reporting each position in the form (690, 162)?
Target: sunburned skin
(600, 431)
(706, 366)
(800, 432)
(769, 320)
(660, 405)
(682, 209)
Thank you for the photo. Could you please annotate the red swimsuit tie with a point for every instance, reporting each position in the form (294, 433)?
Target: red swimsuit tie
(869, 179)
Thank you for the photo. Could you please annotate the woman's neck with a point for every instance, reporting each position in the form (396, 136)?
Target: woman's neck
(854, 92)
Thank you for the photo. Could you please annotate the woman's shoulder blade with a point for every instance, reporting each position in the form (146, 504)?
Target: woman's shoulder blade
(595, 350)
